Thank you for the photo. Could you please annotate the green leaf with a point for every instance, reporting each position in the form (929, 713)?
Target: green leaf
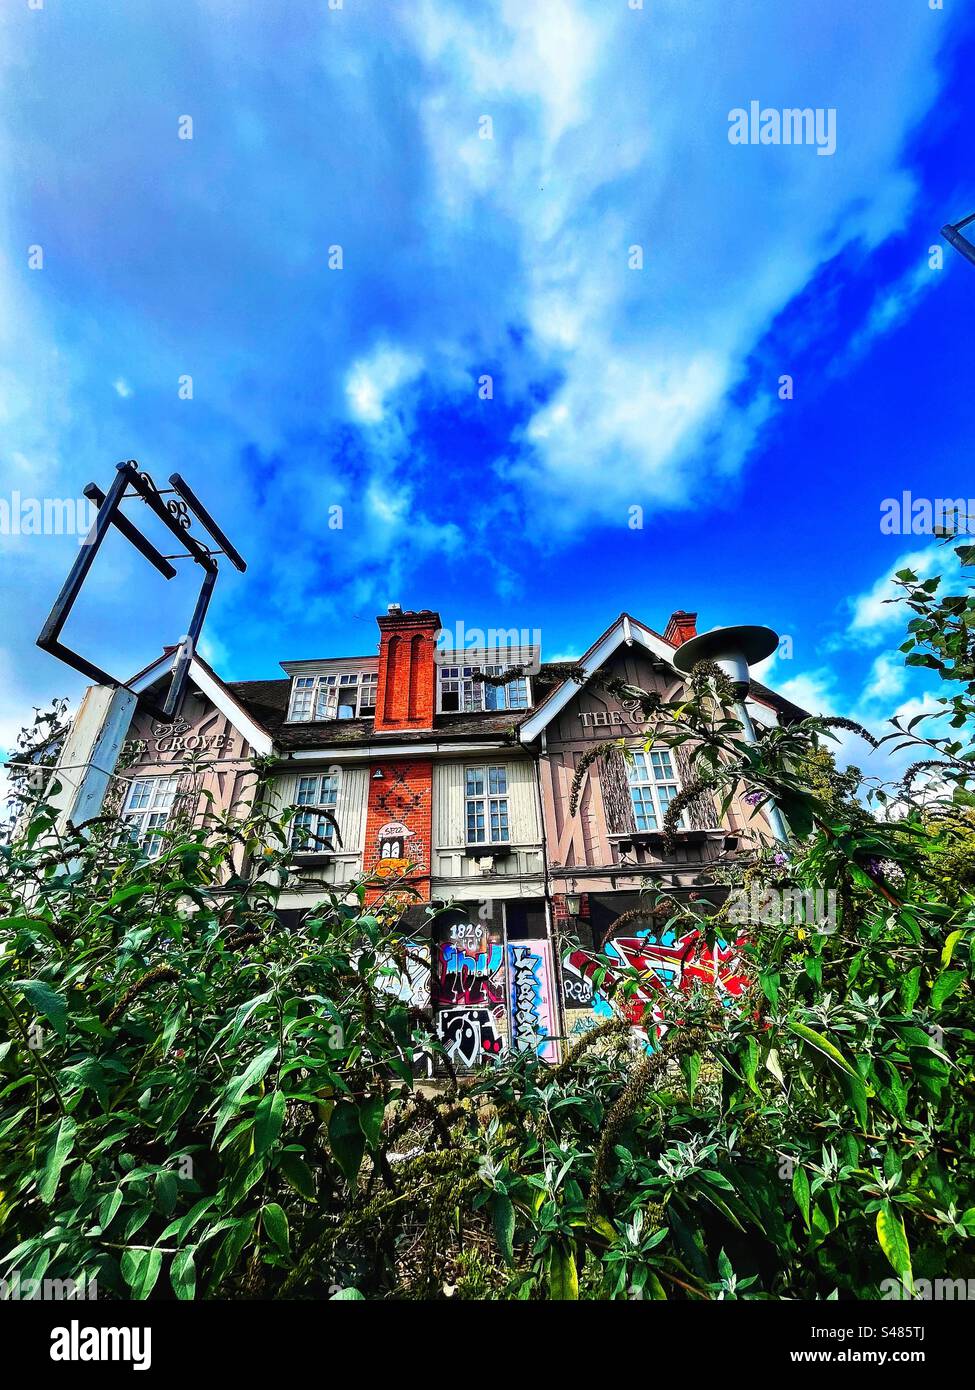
(800, 1191)
(949, 947)
(182, 1274)
(750, 1063)
(108, 1207)
(298, 1175)
(346, 1138)
(893, 1242)
(945, 985)
(276, 1225)
(691, 1067)
(822, 1045)
(254, 1072)
(773, 1065)
(268, 1119)
(910, 989)
(166, 1191)
(371, 1111)
(563, 1277)
(140, 1270)
(46, 1001)
(347, 1296)
(504, 1226)
(856, 1095)
(56, 1158)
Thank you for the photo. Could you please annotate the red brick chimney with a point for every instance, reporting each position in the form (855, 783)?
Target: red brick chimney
(681, 627)
(407, 694)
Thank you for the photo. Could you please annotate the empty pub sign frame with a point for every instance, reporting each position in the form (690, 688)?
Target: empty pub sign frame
(175, 516)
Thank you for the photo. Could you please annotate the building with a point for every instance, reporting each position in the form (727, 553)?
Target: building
(449, 773)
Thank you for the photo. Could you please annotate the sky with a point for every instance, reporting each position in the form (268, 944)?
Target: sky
(491, 285)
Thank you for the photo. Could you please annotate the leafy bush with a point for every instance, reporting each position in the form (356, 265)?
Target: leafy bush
(195, 1102)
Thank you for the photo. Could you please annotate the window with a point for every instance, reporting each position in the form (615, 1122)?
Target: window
(311, 830)
(487, 805)
(147, 809)
(460, 690)
(653, 786)
(338, 695)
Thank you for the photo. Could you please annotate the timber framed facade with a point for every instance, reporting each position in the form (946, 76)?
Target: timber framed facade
(450, 774)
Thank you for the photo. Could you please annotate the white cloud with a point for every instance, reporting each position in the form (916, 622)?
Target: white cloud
(122, 388)
(892, 306)
(875, 617)
(372, 380)
(888, 676)
(600, 143)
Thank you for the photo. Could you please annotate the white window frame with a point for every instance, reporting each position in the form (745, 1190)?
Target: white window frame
(474, 696)
(147, 806)
(316, 697)
(653, 785)
(486, 803)
(315, 793)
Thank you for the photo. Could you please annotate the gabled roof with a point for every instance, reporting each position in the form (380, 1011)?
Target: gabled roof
(227, 702)
(258, 709)
(629, 631)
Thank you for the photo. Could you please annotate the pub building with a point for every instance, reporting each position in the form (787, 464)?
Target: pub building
(449, 773)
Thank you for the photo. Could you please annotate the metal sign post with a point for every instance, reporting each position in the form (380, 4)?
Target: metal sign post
(102, 721)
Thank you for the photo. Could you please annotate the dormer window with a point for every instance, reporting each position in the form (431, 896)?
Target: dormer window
(335, 695)
(462, 689)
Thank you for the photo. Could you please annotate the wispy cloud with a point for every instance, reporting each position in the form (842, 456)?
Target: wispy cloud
(490, 173)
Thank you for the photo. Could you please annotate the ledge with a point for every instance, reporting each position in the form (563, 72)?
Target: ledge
(655, 837)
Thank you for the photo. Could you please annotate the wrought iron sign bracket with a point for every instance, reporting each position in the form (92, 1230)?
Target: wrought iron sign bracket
(175, 516)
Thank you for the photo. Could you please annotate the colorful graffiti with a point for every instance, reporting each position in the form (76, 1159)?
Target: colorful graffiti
(532, 995)
(409, 980)
(666, 962)
(470, 975)
(489, 997)
(470, 1036)
(469, 994)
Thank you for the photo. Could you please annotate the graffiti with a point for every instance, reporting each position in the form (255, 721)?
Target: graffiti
(577, 989)
(666, 962)
(530, 983)
(409, 982)
(469, 1035)
(470, 972)
(469, 993)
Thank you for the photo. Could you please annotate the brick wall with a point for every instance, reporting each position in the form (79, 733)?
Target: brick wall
(402, 796)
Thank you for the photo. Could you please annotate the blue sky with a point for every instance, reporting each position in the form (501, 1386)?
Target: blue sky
(361, 127)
